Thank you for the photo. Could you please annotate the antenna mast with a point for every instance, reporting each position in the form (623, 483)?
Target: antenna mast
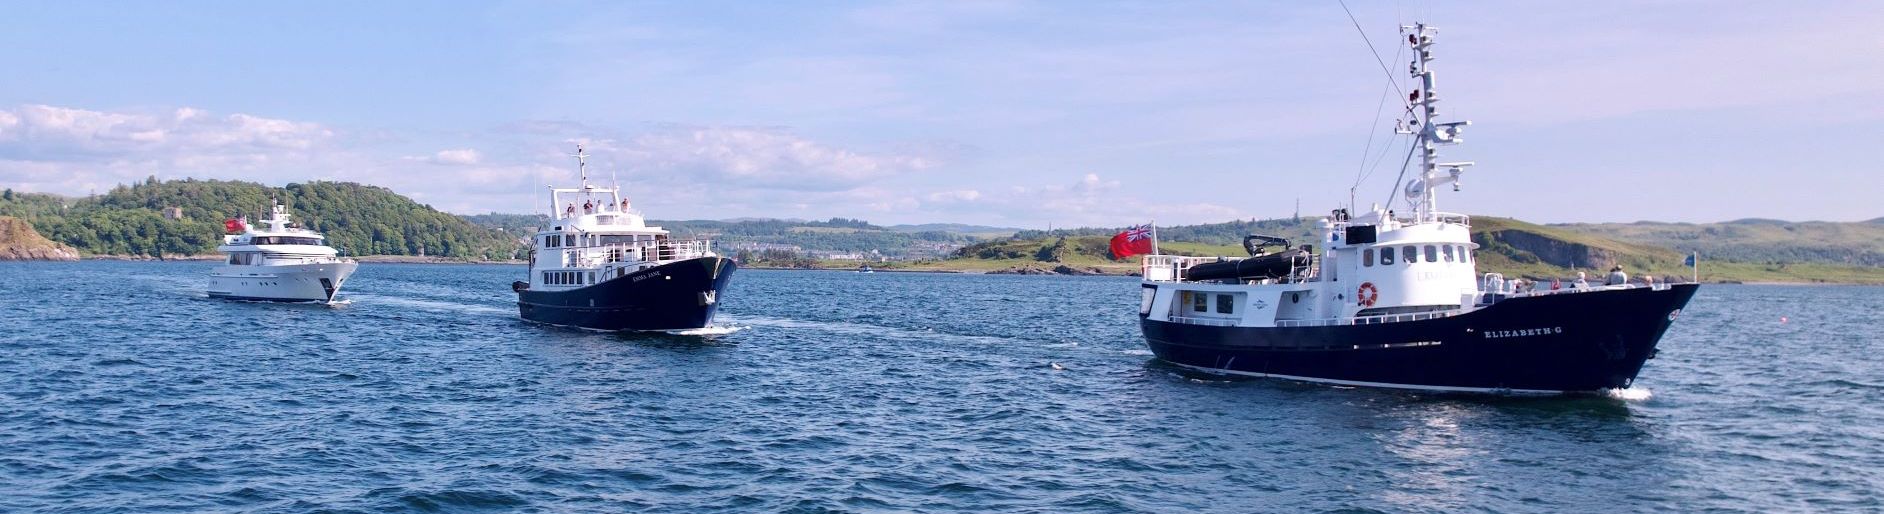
(1420, 191)
(582, 165)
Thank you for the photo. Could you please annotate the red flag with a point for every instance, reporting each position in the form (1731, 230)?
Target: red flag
(234, 225)
(1133, 241)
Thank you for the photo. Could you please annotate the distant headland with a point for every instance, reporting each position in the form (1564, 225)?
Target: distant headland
(182, 219)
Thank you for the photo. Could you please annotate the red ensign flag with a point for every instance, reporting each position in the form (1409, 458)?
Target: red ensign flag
(1133, 241)
(233, 225)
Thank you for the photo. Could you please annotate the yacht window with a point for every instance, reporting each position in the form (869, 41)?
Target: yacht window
(591, 277)
(1386, 256)
(1226, 303)
(1432, 254)
(1463, 254)
(569, 240)
(1447, 250)
(1409, 254)
(1200, 302)
(1367, 257)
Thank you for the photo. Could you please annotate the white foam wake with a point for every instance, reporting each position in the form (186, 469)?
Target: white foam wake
(1632, 394)
(707, 331)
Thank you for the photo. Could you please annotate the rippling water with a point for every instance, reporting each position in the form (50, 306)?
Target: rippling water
(123, 389)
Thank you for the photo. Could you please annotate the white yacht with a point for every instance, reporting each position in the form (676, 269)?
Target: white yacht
(278, 262)
(599, 266)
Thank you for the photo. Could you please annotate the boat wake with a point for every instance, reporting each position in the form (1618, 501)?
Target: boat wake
(1631, 394)
(707, 331)
(431, 305)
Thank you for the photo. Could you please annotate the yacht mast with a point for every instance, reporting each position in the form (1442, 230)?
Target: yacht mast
(1421, 190)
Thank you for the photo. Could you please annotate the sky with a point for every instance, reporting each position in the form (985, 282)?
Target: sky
(1017, 114)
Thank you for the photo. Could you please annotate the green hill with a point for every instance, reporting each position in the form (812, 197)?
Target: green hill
(1507, 246)
(787, 239)
(1761, 241)
(137, 220)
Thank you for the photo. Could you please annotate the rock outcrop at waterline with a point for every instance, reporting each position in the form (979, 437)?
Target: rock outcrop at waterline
(19, 242)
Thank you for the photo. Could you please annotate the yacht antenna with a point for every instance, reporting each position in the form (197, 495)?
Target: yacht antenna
(1428, 135)
(582, 165)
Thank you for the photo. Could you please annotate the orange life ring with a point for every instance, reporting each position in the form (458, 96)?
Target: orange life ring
(1368, 294)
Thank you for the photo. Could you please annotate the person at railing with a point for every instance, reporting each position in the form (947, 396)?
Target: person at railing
(571, 211)
(1617, 277)
(588, 207)
(624, 205)
(1582, 281)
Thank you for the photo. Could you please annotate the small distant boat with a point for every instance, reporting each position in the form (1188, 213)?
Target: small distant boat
(865, 269)
(278, 263)
(599, 266)
(1395, 301)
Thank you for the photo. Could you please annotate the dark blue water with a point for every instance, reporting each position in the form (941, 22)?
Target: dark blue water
(123, 389)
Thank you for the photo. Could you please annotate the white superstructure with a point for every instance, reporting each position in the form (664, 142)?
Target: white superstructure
(279, 262)
(595, 235)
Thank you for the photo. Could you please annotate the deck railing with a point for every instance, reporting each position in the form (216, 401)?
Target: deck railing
(1175, 268)
(640, 251)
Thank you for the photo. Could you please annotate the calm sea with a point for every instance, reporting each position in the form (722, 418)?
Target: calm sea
(123, 389)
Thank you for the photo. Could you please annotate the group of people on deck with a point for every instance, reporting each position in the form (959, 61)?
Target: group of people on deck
(589, 207)
(1617, 277)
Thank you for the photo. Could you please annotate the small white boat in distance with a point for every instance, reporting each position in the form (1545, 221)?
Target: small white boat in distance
(278, 263)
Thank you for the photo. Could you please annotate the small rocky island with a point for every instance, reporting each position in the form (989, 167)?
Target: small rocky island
(19, 242)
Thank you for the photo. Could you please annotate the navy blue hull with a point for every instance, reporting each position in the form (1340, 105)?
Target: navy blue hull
(675, 296)
(1581, 342)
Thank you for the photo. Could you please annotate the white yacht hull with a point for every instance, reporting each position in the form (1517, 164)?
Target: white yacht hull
(284, 283)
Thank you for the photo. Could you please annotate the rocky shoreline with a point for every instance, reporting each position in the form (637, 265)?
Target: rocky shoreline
(19, 242)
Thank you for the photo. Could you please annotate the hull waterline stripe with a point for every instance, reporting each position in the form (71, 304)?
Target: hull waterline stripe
(1358, 383)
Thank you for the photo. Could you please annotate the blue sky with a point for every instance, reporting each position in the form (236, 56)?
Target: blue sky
(1003, 113)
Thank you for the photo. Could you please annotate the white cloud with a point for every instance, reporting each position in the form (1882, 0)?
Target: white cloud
(740, 157)
(465, 156)
(70, 150)
(947, 197)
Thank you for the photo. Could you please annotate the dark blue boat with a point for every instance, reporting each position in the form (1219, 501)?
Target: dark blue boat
(599, 266)
(1571, 341)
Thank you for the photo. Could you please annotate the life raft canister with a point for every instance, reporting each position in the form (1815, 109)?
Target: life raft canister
(1368, 294)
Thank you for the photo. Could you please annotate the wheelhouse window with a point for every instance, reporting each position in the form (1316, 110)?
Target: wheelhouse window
(1367, 258)
(1409, 254)
(1447, 250)
(569, 240)
(1226, 303)
(1200, 302)
(1463, 254)
(1432, 253)
(1386, 256)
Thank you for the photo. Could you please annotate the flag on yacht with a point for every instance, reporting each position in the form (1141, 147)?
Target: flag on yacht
(1136, 240)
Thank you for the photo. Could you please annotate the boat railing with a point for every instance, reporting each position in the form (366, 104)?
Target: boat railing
(1215, 322)
(1172, 268)
(642, 251)
(1175, 268)
(1366, 320)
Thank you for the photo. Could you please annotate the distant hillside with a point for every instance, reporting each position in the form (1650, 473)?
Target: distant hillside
(787, 239)
(1761, 241)
(357, 219)
(1507, 246)
(957, 228)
